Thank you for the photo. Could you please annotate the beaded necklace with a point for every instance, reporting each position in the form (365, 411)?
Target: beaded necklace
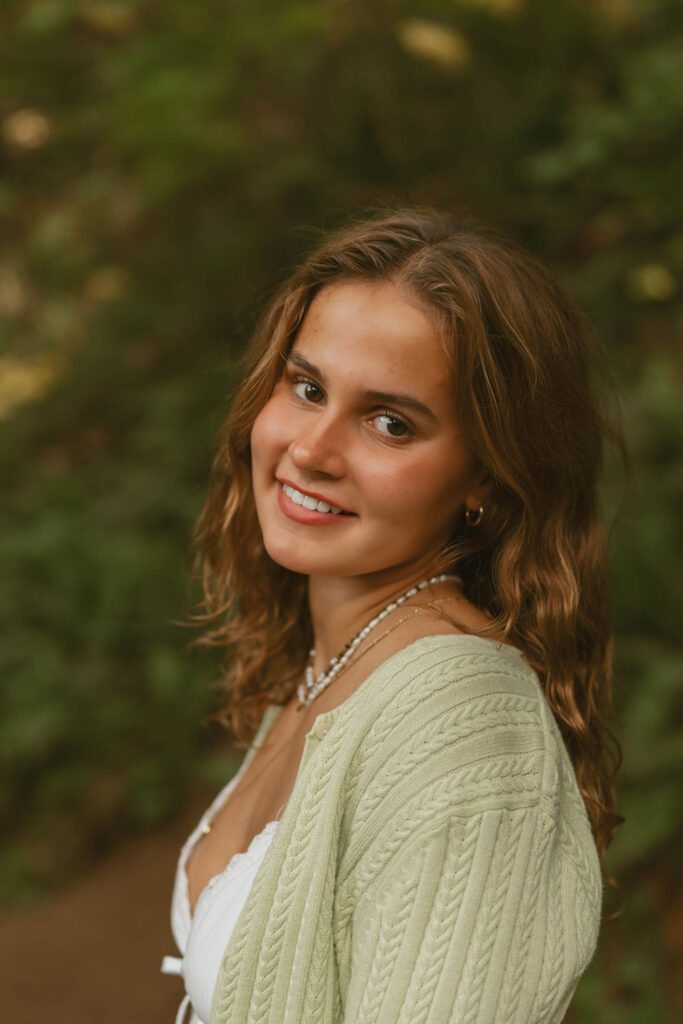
(310, 687)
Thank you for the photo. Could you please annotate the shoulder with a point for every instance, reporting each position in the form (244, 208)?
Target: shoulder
(457, 726)
(471, 664)
(446, 702)
(464, 694)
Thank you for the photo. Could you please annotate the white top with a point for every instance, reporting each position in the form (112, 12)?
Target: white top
(202, 938)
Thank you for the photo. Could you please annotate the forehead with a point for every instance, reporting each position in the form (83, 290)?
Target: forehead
(377, 328)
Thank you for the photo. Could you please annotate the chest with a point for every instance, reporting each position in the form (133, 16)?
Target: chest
(259, 797)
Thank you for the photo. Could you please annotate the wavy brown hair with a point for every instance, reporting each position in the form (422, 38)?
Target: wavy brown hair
(521, 355)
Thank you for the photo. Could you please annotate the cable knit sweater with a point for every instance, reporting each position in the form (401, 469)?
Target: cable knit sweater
(434, 863)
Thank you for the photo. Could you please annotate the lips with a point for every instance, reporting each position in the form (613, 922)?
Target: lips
(312, 502)
(307, 506)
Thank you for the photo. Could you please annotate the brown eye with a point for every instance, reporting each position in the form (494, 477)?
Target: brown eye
(307, 390)
(392, 426)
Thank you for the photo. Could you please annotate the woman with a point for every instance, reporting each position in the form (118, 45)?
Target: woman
(406, 489)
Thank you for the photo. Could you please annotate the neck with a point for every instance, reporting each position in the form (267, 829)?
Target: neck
(340, 607)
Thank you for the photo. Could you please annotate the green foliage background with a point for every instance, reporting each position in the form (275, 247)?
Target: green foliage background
(161, 165)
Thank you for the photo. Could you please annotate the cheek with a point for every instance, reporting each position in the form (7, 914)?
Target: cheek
(267, 433)
(425, 481)
(426, 495)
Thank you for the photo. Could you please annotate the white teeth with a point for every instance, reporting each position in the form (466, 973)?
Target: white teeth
(307, 501)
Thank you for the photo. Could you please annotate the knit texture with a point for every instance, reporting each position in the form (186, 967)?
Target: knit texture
(434, 863)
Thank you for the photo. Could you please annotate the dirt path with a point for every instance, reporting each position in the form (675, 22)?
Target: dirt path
(91, 955)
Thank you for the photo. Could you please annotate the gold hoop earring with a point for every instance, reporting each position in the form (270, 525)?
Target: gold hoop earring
(473, 518)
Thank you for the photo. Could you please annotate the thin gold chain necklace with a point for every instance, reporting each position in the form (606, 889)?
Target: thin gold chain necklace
(312, 687)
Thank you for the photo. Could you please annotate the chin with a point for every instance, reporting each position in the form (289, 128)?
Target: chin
(330, 564)
(303, 566)
(298, 558)
(284, 553)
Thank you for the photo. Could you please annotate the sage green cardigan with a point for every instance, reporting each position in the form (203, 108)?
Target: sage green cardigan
(434, 862)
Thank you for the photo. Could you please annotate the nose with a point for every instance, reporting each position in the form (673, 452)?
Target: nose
(318, 446)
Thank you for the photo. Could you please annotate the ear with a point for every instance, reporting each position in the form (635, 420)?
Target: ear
(480, 489)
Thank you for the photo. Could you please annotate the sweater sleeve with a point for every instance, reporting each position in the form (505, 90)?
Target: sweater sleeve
(470, 891)
(482, 920)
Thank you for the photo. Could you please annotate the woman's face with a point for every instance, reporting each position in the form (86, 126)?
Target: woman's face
(358, 465)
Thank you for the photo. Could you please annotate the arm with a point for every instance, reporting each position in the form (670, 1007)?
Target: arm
(485, 919)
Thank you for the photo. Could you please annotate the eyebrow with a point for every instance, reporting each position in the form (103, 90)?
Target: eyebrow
(385, 397)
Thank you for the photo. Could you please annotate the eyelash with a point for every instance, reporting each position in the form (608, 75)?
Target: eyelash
(297, 380)
(409, 432)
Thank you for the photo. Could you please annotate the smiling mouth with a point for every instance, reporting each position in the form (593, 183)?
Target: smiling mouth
(312, 504)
